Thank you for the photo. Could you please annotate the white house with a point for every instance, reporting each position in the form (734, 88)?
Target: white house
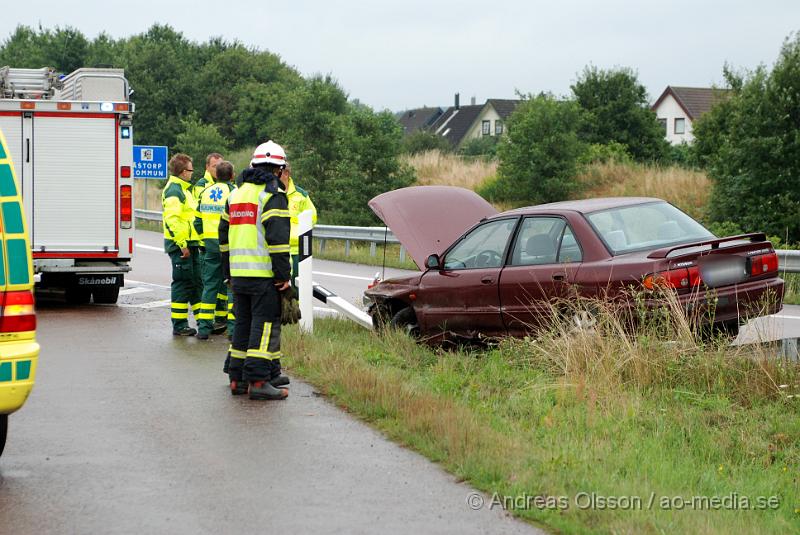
(678, 107)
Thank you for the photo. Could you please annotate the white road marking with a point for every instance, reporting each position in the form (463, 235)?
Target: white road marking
(149, 247)
(326, 274)
(785, 317)
(137, 290)
(151, 304)
(147, 284)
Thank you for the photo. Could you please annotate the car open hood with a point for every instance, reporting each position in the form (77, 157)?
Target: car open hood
(427, 219)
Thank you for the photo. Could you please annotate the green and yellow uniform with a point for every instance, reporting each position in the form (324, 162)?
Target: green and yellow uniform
(179, 232)
(299, 202)
(214, 300)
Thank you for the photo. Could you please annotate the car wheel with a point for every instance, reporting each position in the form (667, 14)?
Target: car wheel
(725, 330)
(406, 320)
(106, 295)
(3, 431)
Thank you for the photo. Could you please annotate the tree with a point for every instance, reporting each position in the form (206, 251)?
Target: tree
(199, 139)
(750, 147)
(539, 154)
(618, 111)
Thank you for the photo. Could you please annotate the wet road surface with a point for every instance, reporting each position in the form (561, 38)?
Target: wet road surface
(130, 430)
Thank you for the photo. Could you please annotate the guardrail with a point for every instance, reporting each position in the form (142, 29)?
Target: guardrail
(372, 235)
(789, 260)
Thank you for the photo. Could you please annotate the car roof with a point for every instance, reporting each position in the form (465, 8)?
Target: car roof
(583, 206)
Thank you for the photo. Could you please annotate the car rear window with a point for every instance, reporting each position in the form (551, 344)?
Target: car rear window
(645, 226)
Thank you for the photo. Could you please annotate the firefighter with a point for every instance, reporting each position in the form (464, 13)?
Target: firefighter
(254, 240)
(211, 204)
(299, 202)
(181, 243)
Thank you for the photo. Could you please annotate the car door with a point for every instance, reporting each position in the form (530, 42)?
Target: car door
(544, 261)
(462, 296)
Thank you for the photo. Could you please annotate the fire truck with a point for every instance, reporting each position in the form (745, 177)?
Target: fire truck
(70, 138)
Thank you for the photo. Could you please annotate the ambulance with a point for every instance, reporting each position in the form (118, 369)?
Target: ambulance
(70, 138)
(18, 348)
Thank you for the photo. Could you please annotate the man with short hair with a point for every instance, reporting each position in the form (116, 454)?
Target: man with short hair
(210, 175)
(211, 205)
(181, 242)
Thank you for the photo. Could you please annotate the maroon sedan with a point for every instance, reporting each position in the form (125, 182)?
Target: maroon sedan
(489, 274)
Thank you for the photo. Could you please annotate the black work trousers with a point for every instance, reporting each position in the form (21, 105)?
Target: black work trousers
(256, 349)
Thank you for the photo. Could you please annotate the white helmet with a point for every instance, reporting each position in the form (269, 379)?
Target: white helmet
(269, 152)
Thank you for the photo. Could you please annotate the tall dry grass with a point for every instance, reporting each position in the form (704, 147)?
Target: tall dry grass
(650, 346)
(688, 190)
(435, 168)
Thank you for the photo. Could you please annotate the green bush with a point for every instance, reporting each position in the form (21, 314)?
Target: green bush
(750, 146)
(602, 153)
(484, 146)
(539, 154)
(422, 141)
(617, 110)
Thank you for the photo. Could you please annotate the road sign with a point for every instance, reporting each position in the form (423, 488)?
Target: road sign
(150, 162)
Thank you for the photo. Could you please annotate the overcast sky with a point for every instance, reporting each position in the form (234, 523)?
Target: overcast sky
(400, 55)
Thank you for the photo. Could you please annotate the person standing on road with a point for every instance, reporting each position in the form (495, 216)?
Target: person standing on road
(211, 204)
(254, 240)
(210, 176)
(299, 202)
(181, 243)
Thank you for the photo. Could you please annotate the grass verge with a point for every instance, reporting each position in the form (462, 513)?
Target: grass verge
(581, 420)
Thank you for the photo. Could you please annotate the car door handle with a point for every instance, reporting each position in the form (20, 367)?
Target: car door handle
(559, 276)
(487, 280)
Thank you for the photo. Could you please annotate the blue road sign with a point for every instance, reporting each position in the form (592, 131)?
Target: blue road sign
(150, 162)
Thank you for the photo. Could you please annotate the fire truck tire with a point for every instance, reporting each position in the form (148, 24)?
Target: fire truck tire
(106, 295)
(75, 295)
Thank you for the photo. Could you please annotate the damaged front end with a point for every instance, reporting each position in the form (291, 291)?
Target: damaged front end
(386, 299)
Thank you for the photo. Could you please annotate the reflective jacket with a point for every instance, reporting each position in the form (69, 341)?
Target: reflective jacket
(179, 213)
(202, 184)
(211, 205)
(299, 202)
(254, 233)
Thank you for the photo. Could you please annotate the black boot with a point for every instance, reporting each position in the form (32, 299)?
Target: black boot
(263, 390)
(280, 380)
(238, 388)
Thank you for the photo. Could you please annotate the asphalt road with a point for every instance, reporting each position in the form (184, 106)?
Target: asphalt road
(130, 430)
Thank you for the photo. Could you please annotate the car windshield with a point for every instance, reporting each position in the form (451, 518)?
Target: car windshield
(645, 226)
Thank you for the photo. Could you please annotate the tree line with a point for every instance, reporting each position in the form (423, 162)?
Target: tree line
(218, 96)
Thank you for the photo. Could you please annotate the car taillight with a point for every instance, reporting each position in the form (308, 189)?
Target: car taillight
(767, 263)
(125, 171)
(125, 207)
(18, 314)
(678, 279)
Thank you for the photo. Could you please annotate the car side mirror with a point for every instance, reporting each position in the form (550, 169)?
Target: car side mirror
(432, 262)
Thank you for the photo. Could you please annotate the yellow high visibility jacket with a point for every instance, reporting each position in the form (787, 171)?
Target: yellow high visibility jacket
(211, 205)
(256, 232)
(202, 184)
(179, 212)
(299, 202)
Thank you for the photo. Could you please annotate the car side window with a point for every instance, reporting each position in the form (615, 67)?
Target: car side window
(483, 247)
(569, 251)
(544, 240)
